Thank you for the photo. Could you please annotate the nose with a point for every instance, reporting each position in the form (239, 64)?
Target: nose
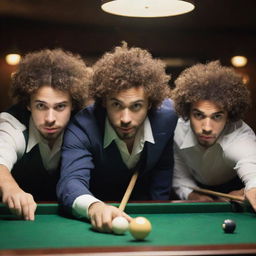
(50, 116)
(125, 117)
(207, 126)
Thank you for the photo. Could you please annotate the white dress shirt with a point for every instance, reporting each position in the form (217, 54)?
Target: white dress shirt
(82, 203)
(13, 144)
(233, 154)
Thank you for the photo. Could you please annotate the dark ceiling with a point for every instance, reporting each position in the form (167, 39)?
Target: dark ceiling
(215, 29)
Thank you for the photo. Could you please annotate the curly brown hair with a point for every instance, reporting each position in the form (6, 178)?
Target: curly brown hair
(125, 68)
(213, 82)
(57, 68)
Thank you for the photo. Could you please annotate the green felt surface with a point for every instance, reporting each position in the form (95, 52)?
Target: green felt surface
(173, 224)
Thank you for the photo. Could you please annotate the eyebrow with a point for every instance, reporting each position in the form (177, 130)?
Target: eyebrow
(44, 102)
(198, 110)
(136, 101)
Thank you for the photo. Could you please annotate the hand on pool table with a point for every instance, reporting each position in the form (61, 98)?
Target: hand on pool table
(101, 216)
(20, 203)
(250, 195)
(239, 192)
(199, 197)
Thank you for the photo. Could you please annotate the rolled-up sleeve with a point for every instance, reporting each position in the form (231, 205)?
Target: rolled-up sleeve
(12, 141)
(182, 178)
(243, 153)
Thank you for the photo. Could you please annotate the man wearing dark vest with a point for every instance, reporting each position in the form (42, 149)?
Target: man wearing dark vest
(48, 86)
(130, 127)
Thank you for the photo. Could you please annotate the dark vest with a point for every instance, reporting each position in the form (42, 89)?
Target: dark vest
(29, 171)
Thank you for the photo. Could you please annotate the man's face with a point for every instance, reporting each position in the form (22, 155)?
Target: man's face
(127, 111)
(207, 120)
(50, 109)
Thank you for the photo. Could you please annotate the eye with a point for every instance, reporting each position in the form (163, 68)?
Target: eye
(136, 107)
(116, 105)
(60, 107)
(217, 117)
(198, 115)
(41, 106)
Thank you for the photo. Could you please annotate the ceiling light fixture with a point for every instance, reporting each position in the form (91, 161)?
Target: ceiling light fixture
(147, 8)
(239, 61)
(12, 58)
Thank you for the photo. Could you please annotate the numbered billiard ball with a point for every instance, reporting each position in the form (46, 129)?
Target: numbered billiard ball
(229, 226)
(120, 225)
(139, 228)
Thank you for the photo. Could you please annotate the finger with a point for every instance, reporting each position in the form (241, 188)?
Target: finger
(31, 210)
(107, 220)
(98, 222)
(129, 218)
(9, 202)
(25, 208)
(16, 207)
(93, 223)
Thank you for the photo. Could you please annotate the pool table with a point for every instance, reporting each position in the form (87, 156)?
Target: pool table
(179, 228)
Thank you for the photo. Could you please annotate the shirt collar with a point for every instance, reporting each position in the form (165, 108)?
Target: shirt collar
(190, 138)
(145, 133)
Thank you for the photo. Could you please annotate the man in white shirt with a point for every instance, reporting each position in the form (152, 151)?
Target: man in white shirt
(47, 86)
(130, 127)
(214, 148)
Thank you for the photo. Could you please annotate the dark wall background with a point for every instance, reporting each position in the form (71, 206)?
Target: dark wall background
(216, 29)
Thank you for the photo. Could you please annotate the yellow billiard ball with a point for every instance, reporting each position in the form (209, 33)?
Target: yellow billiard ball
(139, 228)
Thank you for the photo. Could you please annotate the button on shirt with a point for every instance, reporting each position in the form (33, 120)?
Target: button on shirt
(13, 144)
(83, 202)
(233, 154)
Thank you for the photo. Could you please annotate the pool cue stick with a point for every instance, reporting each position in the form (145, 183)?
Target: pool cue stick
(214, 193)
(128, 191)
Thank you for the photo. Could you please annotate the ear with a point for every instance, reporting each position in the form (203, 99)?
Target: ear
(28, 108)
(149, 105)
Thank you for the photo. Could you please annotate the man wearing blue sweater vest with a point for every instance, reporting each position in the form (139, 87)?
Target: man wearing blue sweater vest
(130, 127)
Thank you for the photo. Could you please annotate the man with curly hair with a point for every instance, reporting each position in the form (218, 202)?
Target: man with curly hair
(130, 127)
(214, 148)
(48, 85)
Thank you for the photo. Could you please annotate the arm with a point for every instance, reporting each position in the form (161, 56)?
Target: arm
(73, 188)
(250, 195)
(182, 178)
(20, 203)
(244, 162)
(12, 145)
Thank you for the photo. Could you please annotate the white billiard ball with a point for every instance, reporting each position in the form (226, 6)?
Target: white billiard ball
(120, 225)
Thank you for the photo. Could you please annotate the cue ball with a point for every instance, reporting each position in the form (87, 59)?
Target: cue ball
(120, 225)
(229, 226)
(139, 228)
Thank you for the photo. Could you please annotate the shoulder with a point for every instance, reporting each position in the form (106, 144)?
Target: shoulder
(238, 141)
(20, 113)
(164, 117)
(183, 132)
(164, 111)
(237, 134)
(167, 106)
(237, 130)
(8, 121)
(88, 120)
